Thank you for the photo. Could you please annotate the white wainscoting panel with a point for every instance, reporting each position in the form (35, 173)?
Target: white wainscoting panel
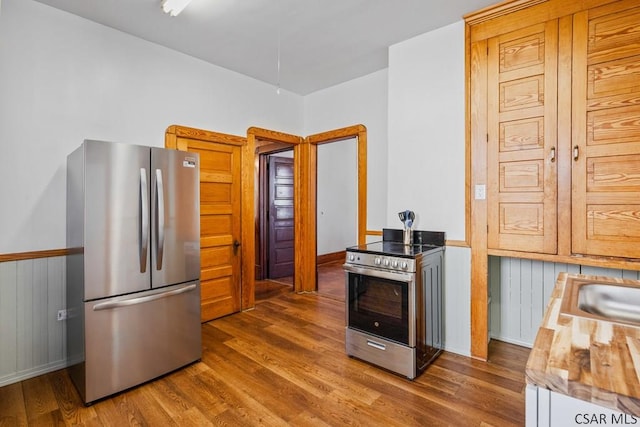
(520, 290)
(457, 300)
(32, 340)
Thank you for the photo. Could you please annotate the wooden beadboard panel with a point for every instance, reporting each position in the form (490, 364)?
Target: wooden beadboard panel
(32, 340)
(520, 290)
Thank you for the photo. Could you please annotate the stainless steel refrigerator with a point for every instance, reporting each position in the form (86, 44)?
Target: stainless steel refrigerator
(133, 279)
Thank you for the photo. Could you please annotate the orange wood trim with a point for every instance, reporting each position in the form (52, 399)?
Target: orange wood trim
(273, 135)
(513, 15)
(457, 243)
(50, 253)
(564, 129)
(594, 261)
(499, 9)
(261, 141)
(170, 139)
(331, 257)
(374, 233)
(356, 131)
(270, 147)
(467, 136)
(306, 207)
(479, 260)
(203, 135)
(248, 210)
(362, 186)
(336, 134)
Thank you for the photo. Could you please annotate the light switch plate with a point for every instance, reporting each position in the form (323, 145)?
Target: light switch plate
(481, 192)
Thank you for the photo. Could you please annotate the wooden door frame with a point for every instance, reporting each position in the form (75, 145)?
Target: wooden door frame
(174, 132)
(359, 132)
(262, 141)
(305, 182)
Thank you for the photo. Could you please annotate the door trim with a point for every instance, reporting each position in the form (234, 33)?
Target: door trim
(305, 182)
(259, 141)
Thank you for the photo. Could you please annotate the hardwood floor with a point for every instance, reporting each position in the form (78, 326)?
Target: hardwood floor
(283, 363)
(330, 283)
(331, 280)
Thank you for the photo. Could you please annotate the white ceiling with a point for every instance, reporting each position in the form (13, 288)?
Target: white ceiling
(322, 42)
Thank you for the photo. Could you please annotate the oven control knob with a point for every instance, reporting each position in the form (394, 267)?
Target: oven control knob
(405, 265)
(394, 263)
(377, 261)
(386, 262)
(352, 257)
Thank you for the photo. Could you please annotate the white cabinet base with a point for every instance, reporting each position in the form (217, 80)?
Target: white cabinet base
(545, 408)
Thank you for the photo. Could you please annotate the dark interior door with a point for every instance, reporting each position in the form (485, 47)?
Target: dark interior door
(280, 217)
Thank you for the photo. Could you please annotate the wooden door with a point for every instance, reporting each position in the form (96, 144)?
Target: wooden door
(606, 131)
(521, 137)
(220, 217)
(280, 217)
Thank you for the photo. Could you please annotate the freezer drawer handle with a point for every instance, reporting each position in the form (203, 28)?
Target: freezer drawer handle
(144, 220)
(142, 300)
(160, 219)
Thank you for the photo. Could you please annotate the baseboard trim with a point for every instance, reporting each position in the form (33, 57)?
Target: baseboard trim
(33, 372)
(331, 257)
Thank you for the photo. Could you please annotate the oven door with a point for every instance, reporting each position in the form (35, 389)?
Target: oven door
(381, 303)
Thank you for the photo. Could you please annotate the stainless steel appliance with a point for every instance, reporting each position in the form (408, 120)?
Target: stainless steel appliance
(394, 301)
(133, 289)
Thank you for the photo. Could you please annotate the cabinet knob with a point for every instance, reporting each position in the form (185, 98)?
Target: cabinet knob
(553, 154)
(576, 152)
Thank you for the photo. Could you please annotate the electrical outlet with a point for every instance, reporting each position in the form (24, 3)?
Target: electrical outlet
(481, 192)
(62, 314)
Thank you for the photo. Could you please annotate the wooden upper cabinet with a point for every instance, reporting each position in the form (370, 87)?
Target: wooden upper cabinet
(606, 131)
(521, 135)
(559, 96)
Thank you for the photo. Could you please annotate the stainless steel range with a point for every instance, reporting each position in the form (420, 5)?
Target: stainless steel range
(394, 301)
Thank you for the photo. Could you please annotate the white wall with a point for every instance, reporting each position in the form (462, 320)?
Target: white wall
(426, 160)
(337, 196)
(426, 130)
(64, 79)
(360, 101)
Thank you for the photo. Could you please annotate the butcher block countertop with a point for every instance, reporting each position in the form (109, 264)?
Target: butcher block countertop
(589, 359)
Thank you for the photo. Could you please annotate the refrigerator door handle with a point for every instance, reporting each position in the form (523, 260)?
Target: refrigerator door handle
(144, 220)
(141, 300)
(159, 219)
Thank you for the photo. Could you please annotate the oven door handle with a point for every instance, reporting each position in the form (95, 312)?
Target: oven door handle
(391, 275)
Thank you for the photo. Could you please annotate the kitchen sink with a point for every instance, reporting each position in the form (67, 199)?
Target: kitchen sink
(602, 300)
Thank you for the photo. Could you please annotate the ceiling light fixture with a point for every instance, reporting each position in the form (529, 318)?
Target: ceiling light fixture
(174, 7)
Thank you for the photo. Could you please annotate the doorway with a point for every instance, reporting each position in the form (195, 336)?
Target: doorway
(275, 231)
(305, 160)
(336, 213)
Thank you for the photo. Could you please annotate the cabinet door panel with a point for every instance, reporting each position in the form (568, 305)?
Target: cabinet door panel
(522, 109)
(614, 35)
(606, 108)
(519, 135)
